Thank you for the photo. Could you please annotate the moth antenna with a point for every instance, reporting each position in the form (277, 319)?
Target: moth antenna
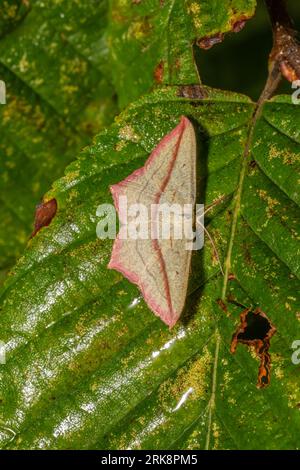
(213, 204)
(213, 245)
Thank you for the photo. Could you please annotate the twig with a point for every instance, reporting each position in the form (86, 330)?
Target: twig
(285, 53)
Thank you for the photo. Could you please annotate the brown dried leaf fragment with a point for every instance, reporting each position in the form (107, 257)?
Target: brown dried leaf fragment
(239, 25)
(209, 41)
(193, 92)
(44, 214)
(159, 72)
(256, 330)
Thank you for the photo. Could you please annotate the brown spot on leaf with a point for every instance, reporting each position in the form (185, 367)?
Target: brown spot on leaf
(44, 214)
(238, 26)
(209, 41)
(159, 72)
(239, 23)
(256, 330)
(192, 92)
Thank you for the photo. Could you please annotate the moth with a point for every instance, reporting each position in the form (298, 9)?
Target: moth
(159, 267)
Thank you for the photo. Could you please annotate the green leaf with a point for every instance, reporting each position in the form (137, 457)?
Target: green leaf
(89, 366)
(11, 13)
(58, 96)
(151, 41)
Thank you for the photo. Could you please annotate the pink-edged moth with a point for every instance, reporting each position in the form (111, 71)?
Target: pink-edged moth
(159, 267)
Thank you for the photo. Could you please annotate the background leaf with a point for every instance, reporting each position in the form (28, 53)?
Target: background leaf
(151, 41)
(59, 94)
(84, 371)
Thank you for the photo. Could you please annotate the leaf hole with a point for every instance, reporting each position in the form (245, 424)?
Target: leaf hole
(255, 329)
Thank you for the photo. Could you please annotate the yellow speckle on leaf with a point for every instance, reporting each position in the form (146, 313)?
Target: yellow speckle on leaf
(232, 400)
(194, 10)
(271, 203)
(70, 89)
(127, 133)
(278, 372)
(39, 117)
(10, 11)
(23, 64)
(139, 29)
(38, 81)
(253, 353)
(216, 434)
(285, 155)
(226, 380)
(193, 377)
(120, 145)
(94, 387)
